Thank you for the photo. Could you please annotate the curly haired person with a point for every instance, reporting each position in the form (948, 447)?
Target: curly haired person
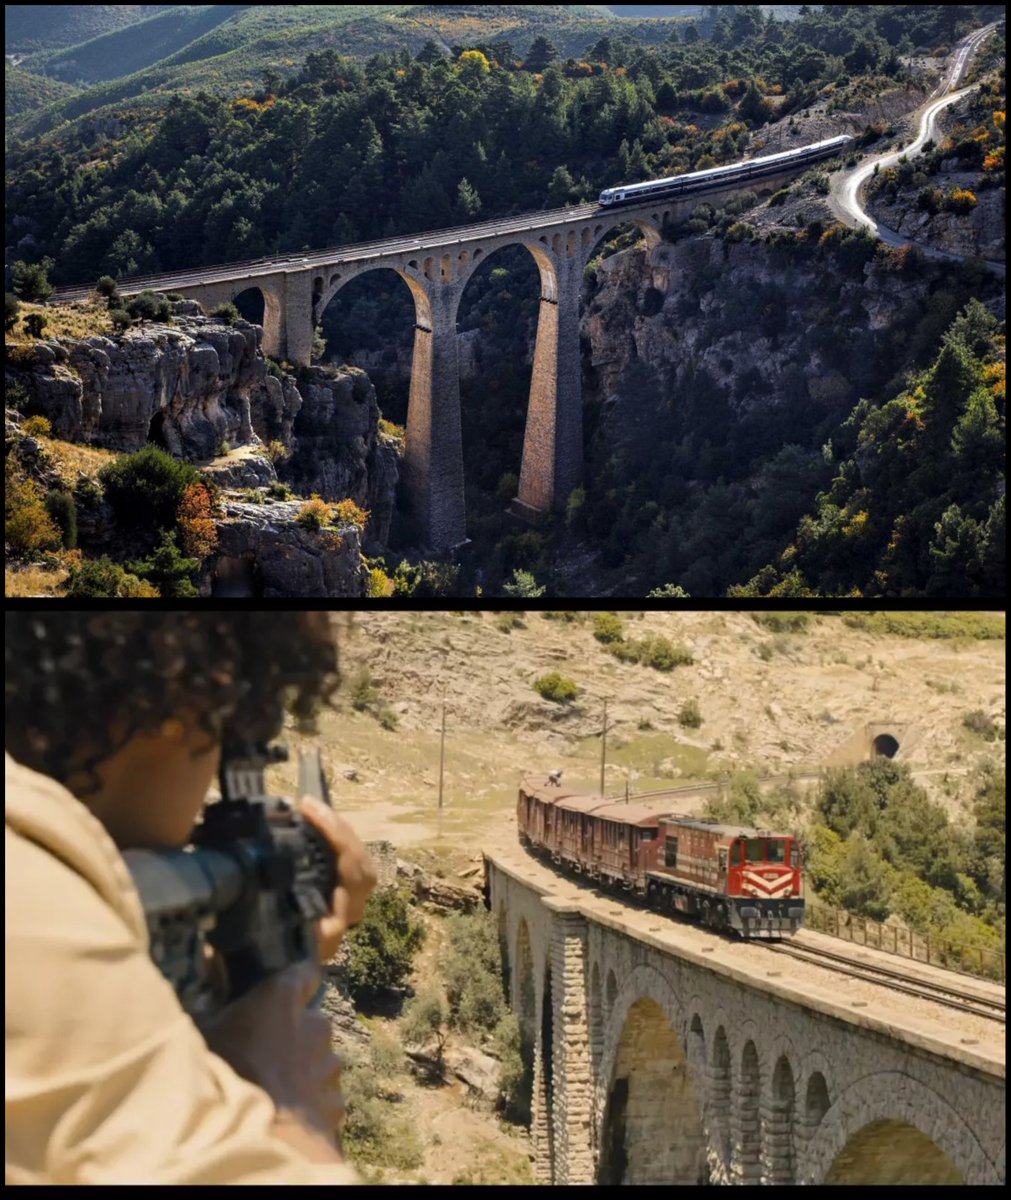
(114, 724)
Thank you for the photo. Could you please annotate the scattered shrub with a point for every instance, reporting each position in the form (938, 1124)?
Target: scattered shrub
(277, 452)
(60, 506)
(608, 628)
(121, 319)
(28, 527)
(982, 724)
(227, 313)
(378, 584)
(12, 306)
(106, 287)
(314, 514)
(168, 570)
(37, 427)
(34, 324)
(523, 584)
(381, 948)
(277, 490)
(690, 716)
(349, 513)
(555, 687)
(149, 306)
(197, 530)
(101, 578)
(31, 280)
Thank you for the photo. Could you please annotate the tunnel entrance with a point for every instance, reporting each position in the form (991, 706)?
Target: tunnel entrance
(156, 431)
(251, 305)
(885, 746)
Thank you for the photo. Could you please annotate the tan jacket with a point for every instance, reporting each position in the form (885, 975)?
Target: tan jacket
(107, 1078)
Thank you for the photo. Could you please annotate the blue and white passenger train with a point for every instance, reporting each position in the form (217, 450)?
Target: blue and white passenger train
(768, 164)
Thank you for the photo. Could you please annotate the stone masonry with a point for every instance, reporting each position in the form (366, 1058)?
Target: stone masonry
(658, 1067)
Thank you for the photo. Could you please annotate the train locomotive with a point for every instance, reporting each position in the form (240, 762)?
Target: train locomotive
(727, 876)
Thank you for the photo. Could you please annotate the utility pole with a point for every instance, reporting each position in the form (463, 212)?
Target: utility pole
(603, 749)
(442, 763)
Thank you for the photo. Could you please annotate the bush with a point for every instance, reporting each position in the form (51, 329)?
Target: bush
(664, 655)
(149, 306)
(102, 578)
(782, 622)
(106, 286)
(227, 313)
(277, 490)
(515, 1079)
(425, 1021)
(982, 724)
(31, 280)
(555, 687)
(960, 201)
(198, 533)
(690, 716)
(121, 319)
(37, 427)
(378, 584)
(145, 489)
(349, 513)
(12, 307)
(381, 948)
(60, 506)
(523, 584)
(425, 579)
(28, 527)
(314, 514)
(362, 693)
(34, 324)
(168, 570)
(277, 452)
(508, 621)
(472, 972)
(608, 628)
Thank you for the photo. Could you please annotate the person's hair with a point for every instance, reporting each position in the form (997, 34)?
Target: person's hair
(80, 685)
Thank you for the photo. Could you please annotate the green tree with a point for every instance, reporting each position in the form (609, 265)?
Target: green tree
(468, 202)
(555, 687)
(522, 584)
(101, 578)
(106, 287)
(60, 506)
(608, 627)
(145, 489)
(34, 324)
(381, 948)
(168, 569)
(31, 280)
(426, 1021)
(560, 189)
(541, 53)
(11, 309)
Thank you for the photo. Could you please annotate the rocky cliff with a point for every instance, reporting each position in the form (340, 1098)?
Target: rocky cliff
(203, 391)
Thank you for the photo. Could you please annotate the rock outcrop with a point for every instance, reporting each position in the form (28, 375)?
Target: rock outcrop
(263, 551)
(338, 451)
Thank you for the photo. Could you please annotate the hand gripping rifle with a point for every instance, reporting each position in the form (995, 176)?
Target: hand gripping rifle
(251, 885)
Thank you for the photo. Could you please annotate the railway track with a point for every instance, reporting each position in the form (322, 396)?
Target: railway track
(940, 993)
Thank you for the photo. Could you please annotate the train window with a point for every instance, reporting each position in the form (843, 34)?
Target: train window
(753, 850)
(775, 850)
(794, 855)
(723, 859)
(648, 835)
(735, 854)
(670, 852)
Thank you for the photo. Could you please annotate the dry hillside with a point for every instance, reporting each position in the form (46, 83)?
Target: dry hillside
(770, 701)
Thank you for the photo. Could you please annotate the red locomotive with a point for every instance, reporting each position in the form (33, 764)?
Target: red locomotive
(728, 876)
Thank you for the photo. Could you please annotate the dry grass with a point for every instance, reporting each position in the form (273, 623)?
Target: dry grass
(73, 459)
(33, 581)
(82, 318)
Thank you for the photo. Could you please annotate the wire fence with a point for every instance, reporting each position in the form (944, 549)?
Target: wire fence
(986, 962)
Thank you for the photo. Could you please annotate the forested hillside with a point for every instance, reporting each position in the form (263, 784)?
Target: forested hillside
(29, 27)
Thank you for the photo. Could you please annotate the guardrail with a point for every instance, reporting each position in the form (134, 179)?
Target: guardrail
(981, 961)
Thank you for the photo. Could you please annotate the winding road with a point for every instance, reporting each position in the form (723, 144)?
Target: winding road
(845, 198)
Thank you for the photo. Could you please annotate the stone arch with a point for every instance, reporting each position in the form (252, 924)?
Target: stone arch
(652, 1129)
(889, 1104)
(612, 996)
(570, 244)
(585, 238)
(649, 230)
(463, 258)
(503, 947)
(261, 299)
(556, 243)
(428, 269)
(748, 1135)
(885, 746)
(525, 1000)
(422, 304)
(446, 267)
(720, 1090)
(777, 1144)
(816, 1101)
(543, 1130)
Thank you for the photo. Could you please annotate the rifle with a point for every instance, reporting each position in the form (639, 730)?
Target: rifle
(250, 886)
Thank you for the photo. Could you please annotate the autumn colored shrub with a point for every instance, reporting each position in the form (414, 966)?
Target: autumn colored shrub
(349, 513)
(28, 527)
(197, 530)
(314, 514)
(37, 427)
(960, 200)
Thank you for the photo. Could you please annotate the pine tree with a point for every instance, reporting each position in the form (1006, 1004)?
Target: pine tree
(541, 53)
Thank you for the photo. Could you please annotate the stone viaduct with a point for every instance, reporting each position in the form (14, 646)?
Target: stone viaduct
(437, 266)
(656, 1067)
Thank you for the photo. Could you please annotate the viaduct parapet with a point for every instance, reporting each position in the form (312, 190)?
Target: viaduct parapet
(656, 1063)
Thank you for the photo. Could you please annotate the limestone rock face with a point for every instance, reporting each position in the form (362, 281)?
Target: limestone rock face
(338, 452)
(263, 552)
(979, 232)
(187, 387)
